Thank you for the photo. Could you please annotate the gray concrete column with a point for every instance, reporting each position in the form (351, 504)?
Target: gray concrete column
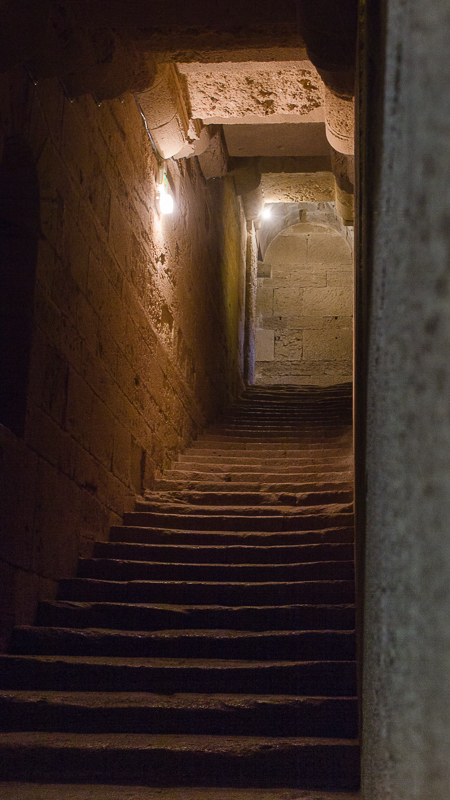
(406, 712)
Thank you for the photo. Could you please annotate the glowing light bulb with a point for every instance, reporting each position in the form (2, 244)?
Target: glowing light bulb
(267, 213)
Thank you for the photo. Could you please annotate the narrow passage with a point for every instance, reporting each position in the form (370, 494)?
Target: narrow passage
(210, 642)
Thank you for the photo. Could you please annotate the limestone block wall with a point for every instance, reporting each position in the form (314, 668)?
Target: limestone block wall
(304, 307)
(137, 329)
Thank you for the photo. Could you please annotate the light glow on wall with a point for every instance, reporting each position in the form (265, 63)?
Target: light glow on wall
(164, 198)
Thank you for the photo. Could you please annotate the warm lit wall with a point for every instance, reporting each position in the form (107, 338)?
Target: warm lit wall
(304, 307)
(138, 328)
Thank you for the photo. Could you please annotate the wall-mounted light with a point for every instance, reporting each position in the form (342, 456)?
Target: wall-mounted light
(164, 198)
(266, 212)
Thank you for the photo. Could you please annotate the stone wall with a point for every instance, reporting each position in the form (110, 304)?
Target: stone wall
(304, 307)
(137, 329)
(405, 244)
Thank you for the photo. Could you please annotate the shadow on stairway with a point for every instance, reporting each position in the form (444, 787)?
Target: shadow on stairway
(210, 644)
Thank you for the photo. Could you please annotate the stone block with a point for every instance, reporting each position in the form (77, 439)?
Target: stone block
(18, 475)
(79, 409)
(89, 474)
(57, 522)
(264, 270)
(288, 345)
(71, 343)
(288, 248)
(102, 433)
(299, 276)
(138, 458)
(327, 344)
(55, 385)
(93, 517)
(327, 302)
(65, 291)
(122, 453)
(43, 434)
(328, 248)
(75, 253)
(214, 160)
(264, 345)
(45, 266)
(341, 276)
(264, 299)
(289, 300)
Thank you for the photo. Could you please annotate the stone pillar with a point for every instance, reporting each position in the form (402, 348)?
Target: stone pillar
(329, 30)
(250, 306)
(405, 237)
(339, 122)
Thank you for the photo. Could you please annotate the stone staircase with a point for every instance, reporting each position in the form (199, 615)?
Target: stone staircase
(210, 643)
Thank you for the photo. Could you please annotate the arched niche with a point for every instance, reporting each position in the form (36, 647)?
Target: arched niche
(19, 232)
(304, 306)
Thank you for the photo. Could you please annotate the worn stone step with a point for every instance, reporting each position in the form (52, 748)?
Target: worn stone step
(145, 712)
(145, 533)
(205, 592)
(263, 457)
(292, 484)
(168, 760)
(224, 554)
(121, 570)
(268, 518)
(172, 643)
(266, 466)
(145, 616)
(226, 497)
(241, 439)
(14, 790)
(297, 476)
(167, 675)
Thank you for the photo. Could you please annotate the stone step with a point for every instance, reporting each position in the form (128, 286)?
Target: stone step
(145, 712)
(264, 457)
(172, 643)
(258, 518)
(145, 616)
(207, 592)
(237, 440)
(121, 570)
(218, 484)
(14, 790)
(297, 475)
(226, 497)
(145, 533)
(168, 675)
(170, 760)
(217, 464)
(224, 554)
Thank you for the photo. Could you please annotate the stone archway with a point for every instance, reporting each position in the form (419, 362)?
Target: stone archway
(304, 307)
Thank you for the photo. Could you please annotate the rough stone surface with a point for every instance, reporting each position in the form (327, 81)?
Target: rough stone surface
(264, 345)
(307, 303)
(255, 688)
(274, 139)
(233, 92)
(304, 187)
(129, 355)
